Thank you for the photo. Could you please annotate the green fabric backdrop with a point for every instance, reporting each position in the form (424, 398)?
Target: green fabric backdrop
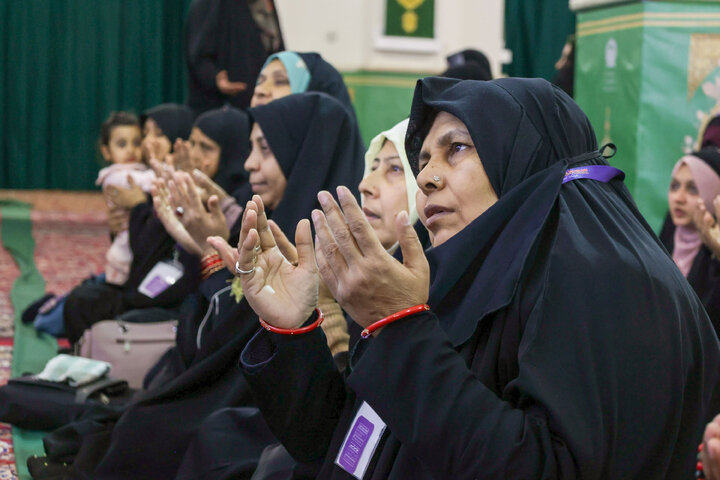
(535, 32)
(65, 65)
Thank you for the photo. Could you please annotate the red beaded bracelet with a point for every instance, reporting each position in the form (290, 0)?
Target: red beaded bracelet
(391, 318)
(294, 331)
(210, 259)
(699, 472)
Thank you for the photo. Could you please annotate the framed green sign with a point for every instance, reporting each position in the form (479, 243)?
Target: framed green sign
(409, 25)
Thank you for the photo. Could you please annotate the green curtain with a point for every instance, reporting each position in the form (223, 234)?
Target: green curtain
(535, 32)
(66, 64)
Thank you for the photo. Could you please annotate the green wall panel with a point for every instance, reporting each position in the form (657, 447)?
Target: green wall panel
(381, 99)
(646, 75)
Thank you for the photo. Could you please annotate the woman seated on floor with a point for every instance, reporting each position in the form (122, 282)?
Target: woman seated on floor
(221, 444)
(300, 144)
(283, 74)
(551, 307)
(94, 301)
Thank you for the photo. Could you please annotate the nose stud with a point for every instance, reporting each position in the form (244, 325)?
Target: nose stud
(436, 179)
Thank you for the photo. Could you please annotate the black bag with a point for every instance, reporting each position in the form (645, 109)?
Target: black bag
(28, 402)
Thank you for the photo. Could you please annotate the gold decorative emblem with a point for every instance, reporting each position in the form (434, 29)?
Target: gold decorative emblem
(409, 19)
(410, 4)
(409, 22)
(704, 58)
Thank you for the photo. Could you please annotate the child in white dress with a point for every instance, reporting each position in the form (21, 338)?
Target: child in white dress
(120, 139)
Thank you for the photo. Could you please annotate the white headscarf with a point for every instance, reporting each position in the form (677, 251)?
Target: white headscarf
(396, 135)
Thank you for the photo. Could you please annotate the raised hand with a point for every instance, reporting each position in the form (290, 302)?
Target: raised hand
(167, 214)
(707, 226)
(208, 185)
(290, 252)
(181, 156)
(281, 293)
(162, 170)
(366, 281)
(156, 149)
(199, 222)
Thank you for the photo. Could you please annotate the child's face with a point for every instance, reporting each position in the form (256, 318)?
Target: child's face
(155, 144)
(204, 152)
(124, 145)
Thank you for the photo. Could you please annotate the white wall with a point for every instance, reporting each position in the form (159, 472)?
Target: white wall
(344, 32)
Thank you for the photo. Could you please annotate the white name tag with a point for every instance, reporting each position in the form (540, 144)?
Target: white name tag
(160, 278)
(360, 442)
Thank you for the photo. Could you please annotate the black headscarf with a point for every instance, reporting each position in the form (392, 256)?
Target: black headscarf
(710, 136)
(600, 283)
(318, 147)
(174, 120)
(325, 78)
(312, 137)
(230, 128)
(467, 71)
(468, 64)
(513, 149)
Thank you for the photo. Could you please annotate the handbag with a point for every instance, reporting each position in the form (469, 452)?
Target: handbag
(35, 404)
(131, 348)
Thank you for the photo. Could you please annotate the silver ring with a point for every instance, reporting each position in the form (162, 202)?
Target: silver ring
(180, 211)
(436, 179)
(258, 248)
(240, 271)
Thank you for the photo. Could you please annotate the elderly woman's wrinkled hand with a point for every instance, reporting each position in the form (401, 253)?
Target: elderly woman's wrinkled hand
(199, 222)
(366, 281)
(282, 292)
(707, 226)
(167, 213)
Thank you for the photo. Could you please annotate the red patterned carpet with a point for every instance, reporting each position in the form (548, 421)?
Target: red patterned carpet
(70, 243)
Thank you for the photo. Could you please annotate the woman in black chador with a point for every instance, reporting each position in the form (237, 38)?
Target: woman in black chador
(224, 51)
(561, 341)
(301, 144)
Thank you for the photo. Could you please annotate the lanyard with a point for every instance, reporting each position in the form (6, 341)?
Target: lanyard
(603, 173)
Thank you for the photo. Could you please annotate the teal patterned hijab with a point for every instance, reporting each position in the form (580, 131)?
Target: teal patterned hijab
(297, 70)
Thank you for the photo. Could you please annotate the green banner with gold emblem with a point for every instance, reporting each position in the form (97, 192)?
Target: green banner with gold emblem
(648, 77)
(410, 18)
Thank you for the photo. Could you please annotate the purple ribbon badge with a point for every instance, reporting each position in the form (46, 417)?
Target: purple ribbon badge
(602, 173)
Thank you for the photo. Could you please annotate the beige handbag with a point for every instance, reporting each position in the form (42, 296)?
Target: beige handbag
(131, 348)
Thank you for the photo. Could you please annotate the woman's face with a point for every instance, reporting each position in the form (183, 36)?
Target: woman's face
(204, 152)
(272, 83)
(384, 193)
(454, 188)
(683, 197)
(155, 144)
(266, 177)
